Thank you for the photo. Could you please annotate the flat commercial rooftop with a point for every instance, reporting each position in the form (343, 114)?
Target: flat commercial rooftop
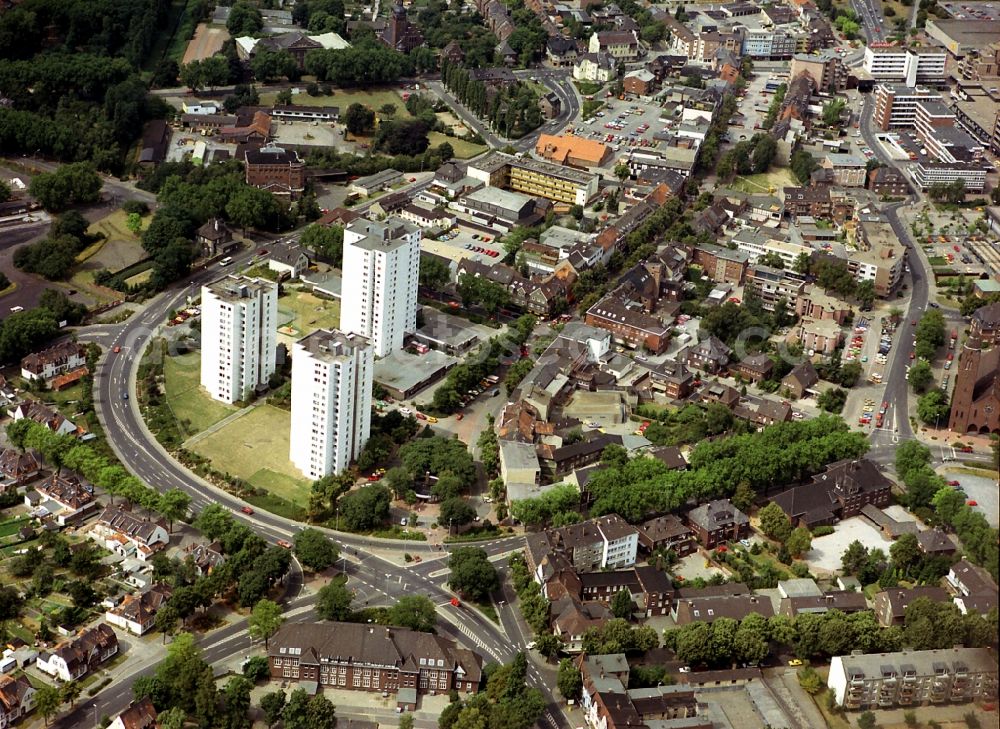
(406, 374)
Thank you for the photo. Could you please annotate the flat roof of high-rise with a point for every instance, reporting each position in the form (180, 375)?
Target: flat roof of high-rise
(329, 345)
(235, 287)
(381, 235)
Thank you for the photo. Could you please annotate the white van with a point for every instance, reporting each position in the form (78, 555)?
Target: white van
(226, 261)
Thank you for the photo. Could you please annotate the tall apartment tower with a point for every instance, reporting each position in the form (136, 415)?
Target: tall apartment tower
(331, 401)
(380, 276)
(238, 336)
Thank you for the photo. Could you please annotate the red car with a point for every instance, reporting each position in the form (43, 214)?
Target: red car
(972, 502)
(247, 510)
(117, 350)
(953, 483)
(413, 179)
(455, 602)
(284, 543)
(913, 355)
(459, 416)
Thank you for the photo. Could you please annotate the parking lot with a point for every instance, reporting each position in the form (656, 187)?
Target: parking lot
(622, 125)
(462, 242)
(959, 254)
(826, 552)
(182, 144)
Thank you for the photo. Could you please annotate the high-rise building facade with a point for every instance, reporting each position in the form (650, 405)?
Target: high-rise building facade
(331, 401)
(381, 272)
(238, 336)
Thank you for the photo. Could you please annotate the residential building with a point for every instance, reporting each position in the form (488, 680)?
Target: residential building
(56, 360)
(896, 104)
(754, 367)
(800, 380)
(812, 201)
(79, 656)
(381, 273)
(913, 678)
(768, 43)
(880, 257)
(17, 698)
(425, 218)
(650, 588)
(595, 67)
(238, 336)
(623, 45)
(821, 336)
(205, 557)
(673, 379)
(331, 401)
(722, 265)
(213, 238)
(761, 242)
(64, 494)
(709, 609)
(709, 355)
(629, 324)
(277, 170)
(560, 51)
(137, 613)
(601, 543)
(772, 284)
(639, 82)
(572, 150)
(838, 493)
(890, 605)
(571, 620)
(140, 714)
(935, 542)
(18, 467)
(288, 259)
(888, 182)
(373, 658)
(718, 521)
(975, 591)
(549, 104)
(609, 705)
(519, 469)
(846, 170)
(912, 66)
(371, 184)
(535, 177)
(128, 535)
(667, 532)
(845, 601)
(827, 70)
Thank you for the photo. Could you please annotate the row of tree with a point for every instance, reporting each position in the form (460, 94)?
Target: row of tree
(511, 110)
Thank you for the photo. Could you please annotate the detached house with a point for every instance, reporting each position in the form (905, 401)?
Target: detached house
(17, 468)
(137, 613)
(126, 534)
(709, 355)
(618, 44)
(78, 657)
(63, 495)
(717, 522)
(17, 698)
(139, 715)
(34, 410)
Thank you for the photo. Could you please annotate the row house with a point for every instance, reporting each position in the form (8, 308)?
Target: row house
(813, 201)
(709, 609)
(722, 265)
(56, 360)
(557, 462)
(670, 378)
(650, 589)
(373, 658)
(667, 532)
(76, 658)
(47, 417)
(572, 619)
(709, 355)
(975, 591)
(754, 367)
(128, 535)
(596, 544)
(890, 605)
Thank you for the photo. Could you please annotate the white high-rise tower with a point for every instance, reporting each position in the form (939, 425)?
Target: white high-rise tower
(380, 276)
(238, 336)
(331, 401)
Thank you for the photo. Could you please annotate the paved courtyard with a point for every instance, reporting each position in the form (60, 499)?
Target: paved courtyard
(826, 551)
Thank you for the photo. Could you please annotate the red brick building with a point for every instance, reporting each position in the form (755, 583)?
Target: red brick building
(276, 170)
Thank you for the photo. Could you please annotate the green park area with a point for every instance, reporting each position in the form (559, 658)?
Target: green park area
(118, 249)
(192, 407)
(463, 149)
(301, 313)
(254, 447)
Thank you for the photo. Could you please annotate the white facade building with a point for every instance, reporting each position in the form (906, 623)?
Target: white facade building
(331, 401)
(894, 63)
(238, 336)
(381, 272)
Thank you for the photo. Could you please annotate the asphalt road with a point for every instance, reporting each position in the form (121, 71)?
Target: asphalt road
(29, 286)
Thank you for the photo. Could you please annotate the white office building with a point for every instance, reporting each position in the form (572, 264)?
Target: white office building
(381, 273)
(910, 66)
(331, 401)
(238, 336)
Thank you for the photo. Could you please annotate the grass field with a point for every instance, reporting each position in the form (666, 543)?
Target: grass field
(306, 313)
(195, 411)
(254, 447)
(372, 98)
(762, 183)
(463, 149)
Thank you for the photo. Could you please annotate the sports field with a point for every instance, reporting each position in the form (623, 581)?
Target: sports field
(194, 409)
(207, 41)
(254, 447)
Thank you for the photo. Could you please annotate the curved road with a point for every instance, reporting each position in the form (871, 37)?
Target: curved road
(147, 459)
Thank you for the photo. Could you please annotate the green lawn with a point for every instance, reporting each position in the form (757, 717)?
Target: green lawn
(254, 447)
(372, 98)
(194, 409)
(762, 183)
(463, 149)
(306, 313)
(937, 260)
(11, 527)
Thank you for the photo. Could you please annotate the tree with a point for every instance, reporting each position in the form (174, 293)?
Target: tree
(387, 110)
(251, 207)
(314, 550)
(172, 718)
(256, 669)
(72, 184)
(568, 680)
(803, 165)
(933, 407)
(191, 76)
(415, 612)
(134, 223)
(867, 720)
(215, 71)
(244, 19)
(472, 573)
(264, 620)
(774, 522)
(47, 701)
(920, 376)
(832, 111)
(621, 605)
(174, 505)
(214, 521)
(456, 511)
(832, 400)
(328, 241)
(273, 706)
(905, 552)
(359, 119)
(365, 508)
(333, 602)
(70, 692)
(799, 541)
(166, 620)
(5, 191)
(744, 497)
(855, 558)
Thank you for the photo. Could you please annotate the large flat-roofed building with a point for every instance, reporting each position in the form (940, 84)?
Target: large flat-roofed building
(331, 401)
(880, 257)
(535, 177)
(826, 68)
(498, 208)
(572, 151)
(889, 62)
(238, 336)
(978, 113)
(381, 274)
(960, 37)
(913, 678)
(926, 174)
(896, 104)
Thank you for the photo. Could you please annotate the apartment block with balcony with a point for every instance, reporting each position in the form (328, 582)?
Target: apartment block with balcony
(381, 273)
(535, 177)
(238, 336)
(331, 401)
(913, 678)
(896, 104)
(889, 62)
